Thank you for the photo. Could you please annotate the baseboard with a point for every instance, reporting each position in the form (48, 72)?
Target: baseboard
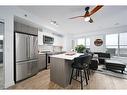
(9, 83)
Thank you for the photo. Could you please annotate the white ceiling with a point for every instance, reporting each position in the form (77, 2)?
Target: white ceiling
(107, 17)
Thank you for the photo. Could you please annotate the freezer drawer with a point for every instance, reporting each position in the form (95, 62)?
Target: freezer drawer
(21, 71)
(32, 67)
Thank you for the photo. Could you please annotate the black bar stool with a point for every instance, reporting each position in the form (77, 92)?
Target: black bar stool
(80, 65)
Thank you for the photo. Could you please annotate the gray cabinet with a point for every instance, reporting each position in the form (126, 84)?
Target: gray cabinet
(32, 30)
(25, 28)
(17, 26)
(41, 61)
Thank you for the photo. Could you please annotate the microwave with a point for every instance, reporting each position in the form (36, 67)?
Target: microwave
(48, 39)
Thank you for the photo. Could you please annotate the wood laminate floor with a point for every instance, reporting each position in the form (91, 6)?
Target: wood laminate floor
(97, 81)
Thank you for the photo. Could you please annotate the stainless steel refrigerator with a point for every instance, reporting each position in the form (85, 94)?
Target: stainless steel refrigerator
(25, 56)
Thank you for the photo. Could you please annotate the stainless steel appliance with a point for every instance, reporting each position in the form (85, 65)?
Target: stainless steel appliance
(26, 54)
(48, 40)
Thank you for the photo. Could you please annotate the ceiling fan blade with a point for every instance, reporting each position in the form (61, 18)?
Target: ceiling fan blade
(95, 9)
(75, 17)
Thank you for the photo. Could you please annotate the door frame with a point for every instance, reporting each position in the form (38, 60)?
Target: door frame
(3, 21)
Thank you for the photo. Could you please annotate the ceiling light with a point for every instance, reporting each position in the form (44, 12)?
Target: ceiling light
(87, 19)
(54, 23)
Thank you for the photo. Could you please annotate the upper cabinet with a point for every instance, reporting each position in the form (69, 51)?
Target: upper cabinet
(19, 27)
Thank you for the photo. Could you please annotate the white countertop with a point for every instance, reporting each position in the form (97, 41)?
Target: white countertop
(41, 53)
(67, 57)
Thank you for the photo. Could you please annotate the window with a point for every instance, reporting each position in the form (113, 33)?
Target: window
(116, 44)
(123, 44)
(87, 42)
(112, 44)
(81, 41)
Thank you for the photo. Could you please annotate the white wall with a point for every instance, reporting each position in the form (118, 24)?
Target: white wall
(8, 13)
(67, 43)
(8, 45)
(95, 48)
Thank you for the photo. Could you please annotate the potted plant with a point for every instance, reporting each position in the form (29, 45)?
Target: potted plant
(80, 48)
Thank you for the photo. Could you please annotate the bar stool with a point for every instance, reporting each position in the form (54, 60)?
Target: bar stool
(87, 62)
(80, 65)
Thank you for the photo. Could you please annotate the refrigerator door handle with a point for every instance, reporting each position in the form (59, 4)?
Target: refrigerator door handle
(28, 47)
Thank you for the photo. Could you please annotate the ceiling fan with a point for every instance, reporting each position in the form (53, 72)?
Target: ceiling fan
(87, 14)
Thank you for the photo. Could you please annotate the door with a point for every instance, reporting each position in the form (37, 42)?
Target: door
(21, 47)
(2, 69)
(33, 47)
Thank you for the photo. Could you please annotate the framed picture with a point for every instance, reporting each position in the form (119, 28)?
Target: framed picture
(98, 42)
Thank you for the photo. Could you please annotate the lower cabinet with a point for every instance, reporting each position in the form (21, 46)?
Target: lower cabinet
(41, 61)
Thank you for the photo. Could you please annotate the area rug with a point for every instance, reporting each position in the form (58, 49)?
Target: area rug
(101, 69)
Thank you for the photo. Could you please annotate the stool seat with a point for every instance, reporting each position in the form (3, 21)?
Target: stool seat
(78, 66)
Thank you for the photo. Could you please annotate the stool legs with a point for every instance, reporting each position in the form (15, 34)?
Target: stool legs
(85, 77)
(88, 74)
(81, 76)
(81, 79)
(71, 75)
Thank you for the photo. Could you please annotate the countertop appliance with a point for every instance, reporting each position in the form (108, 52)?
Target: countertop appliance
(26, 54)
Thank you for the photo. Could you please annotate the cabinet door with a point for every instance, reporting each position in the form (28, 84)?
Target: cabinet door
(17, 27)
(41, 61)
(32, 30)
(35, 31)
(24, 28)
(34, 68)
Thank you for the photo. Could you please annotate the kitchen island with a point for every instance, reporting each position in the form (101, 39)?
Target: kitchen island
(61, 68)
